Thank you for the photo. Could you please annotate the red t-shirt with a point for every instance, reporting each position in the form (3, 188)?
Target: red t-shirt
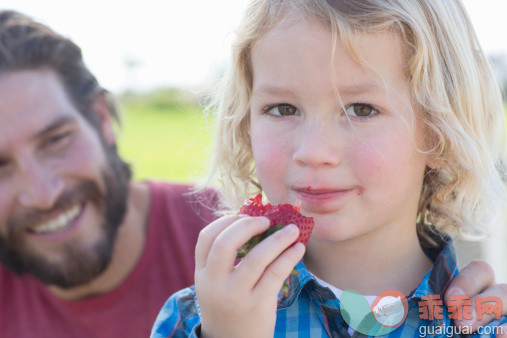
(28, 309)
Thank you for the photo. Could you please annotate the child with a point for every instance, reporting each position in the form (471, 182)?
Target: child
(384, 120)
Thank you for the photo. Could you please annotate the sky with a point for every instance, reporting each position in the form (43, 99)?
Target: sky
(146, 44)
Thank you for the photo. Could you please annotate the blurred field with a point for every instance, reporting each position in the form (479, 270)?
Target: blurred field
(164, 136)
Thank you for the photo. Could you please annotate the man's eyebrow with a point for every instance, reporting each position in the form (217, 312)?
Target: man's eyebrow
(55, 124)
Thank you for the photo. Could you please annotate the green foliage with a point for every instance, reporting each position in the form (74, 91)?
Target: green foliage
(164, 135)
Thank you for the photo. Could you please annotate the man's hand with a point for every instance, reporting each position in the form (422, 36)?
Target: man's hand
(477, 280)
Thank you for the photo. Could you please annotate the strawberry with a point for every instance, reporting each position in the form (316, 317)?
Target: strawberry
(279, 215)
(283, 214)
(253, 206)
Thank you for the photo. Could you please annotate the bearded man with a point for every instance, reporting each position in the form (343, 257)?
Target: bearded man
(85, 251)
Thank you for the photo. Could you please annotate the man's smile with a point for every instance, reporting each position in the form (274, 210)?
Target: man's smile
(58, 223)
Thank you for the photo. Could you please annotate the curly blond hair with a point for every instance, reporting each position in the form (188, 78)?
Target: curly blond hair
(451, 82)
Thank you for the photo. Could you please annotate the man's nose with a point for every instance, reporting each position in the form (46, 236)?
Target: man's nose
(39, 186)
(319, 144)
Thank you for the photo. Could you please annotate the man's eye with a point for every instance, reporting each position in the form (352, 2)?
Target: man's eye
(57, 140)
(283, 110)
(360, 110)
(5, 167)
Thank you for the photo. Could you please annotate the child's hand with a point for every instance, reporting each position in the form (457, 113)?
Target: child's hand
(241, 301)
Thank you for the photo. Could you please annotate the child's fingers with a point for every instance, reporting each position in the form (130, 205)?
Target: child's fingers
(208, 235)
(261, 256)
(225, 247)
(274, 276)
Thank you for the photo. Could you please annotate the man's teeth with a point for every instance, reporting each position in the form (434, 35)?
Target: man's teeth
(60, 222)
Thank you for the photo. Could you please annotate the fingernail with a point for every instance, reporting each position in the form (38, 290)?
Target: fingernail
(300, 246)
(290, 229)
(502, 331)
(458, 292)
(470, 322)
(263, 220)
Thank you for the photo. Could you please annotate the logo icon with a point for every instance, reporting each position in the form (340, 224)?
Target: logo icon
(390, 308)
(387, 312)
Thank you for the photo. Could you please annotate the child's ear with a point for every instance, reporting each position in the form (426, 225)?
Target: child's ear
(434, 157)
(99, 106)
(434, 161)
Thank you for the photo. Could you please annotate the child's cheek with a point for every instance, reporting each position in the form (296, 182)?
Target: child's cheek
(271, 162)
(389, 163)
(269, 157)
(369, 161)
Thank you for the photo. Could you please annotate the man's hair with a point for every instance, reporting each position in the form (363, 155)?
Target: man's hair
(453, 90)
(29, 45)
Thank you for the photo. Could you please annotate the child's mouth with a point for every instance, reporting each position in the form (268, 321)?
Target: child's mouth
(325, 200)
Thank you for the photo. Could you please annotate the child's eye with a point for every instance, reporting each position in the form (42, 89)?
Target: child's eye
(282, 110)
(360, 110)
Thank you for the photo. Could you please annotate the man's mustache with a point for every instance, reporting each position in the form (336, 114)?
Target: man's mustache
(78, 194)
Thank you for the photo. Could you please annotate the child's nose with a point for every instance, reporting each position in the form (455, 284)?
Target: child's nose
(318, 144)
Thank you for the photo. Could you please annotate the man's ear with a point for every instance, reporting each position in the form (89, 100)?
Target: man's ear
(99, 106)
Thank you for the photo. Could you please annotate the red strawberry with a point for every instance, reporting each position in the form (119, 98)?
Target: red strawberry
(252, 206)
(279, 215)
(283, 214)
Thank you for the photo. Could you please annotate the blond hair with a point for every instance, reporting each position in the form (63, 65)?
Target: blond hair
(450, 80)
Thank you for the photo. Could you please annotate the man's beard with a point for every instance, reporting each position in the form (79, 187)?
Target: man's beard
(80, 264)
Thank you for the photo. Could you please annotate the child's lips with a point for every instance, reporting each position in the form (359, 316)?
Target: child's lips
(322, 199)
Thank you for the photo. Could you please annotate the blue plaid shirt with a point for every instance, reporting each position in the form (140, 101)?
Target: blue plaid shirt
(311, 310)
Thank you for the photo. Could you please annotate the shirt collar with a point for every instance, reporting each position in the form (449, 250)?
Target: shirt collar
(297, 281)
(444, 269)
(434, 282)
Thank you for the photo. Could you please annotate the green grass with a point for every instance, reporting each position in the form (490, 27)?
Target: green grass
(164, 140)
(164, 135)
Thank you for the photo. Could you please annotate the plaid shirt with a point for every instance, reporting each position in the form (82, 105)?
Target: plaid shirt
(311, 310)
